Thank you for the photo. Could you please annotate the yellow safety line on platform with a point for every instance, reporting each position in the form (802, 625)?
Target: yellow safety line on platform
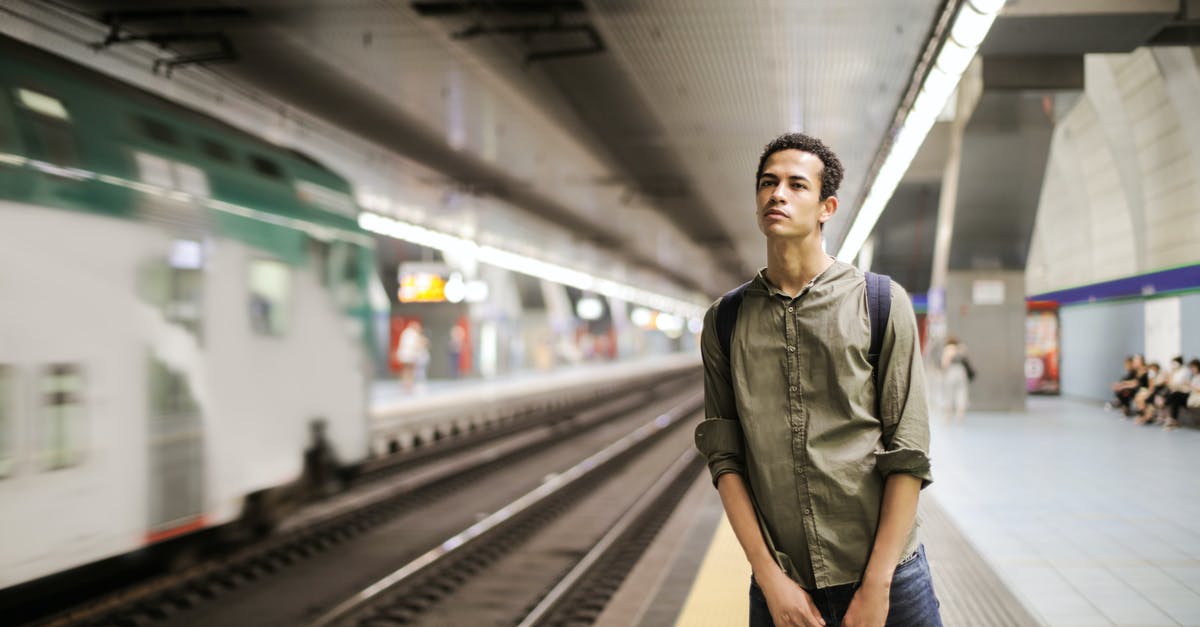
(720, 595)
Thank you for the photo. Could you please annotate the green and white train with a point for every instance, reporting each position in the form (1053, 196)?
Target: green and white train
(182, 307)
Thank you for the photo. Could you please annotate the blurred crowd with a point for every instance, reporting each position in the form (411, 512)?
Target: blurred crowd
(1151, 394)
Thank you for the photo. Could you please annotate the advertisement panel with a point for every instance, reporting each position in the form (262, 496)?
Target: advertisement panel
(1041, 348)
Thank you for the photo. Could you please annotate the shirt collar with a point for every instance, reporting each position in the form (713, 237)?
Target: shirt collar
(835, 269)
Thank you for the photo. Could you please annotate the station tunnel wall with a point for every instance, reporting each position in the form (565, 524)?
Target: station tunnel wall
(1096, 337)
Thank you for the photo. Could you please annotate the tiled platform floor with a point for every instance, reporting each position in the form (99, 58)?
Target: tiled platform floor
(1090, 519)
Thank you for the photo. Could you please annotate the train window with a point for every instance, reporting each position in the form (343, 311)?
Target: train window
(154, 170)
(7, 420)
(216, 150)
(61, 429)
(266, 167)
(54, 141)
(191, 179)
(170, 392)
(174, 284)
(270, 293)
(43, 104)
(49, 132)
(170, 174)
(158, 131)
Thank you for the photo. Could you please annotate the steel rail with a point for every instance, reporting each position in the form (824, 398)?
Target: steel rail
(649, 500)
(498, 520)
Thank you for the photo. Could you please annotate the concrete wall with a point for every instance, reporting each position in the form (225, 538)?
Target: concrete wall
(995, 337)
(1121, 194)
(1094, 339)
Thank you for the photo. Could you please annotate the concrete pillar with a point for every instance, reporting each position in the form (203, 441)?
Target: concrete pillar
(986, 310)
(999, 146)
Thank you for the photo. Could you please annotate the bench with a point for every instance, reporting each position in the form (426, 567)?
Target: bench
(1189, 417)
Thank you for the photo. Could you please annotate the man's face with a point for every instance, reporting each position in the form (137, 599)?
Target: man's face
(789, 196)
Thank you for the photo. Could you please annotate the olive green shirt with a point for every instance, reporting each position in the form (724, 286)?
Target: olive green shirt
(793, 411)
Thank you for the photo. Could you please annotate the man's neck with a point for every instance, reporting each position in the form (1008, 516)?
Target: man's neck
(791, 264)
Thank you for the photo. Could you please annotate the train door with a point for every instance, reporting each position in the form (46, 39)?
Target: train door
(174, 418)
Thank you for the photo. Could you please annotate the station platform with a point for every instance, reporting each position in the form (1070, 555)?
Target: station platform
(432, 409)
(1062, 515)
(390, 396)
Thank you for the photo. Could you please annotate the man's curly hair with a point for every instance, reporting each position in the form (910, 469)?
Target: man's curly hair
(831, 177)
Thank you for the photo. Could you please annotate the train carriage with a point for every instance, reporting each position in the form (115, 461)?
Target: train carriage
(184, 313)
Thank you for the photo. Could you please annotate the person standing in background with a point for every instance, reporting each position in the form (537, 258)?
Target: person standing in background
(458, 341)
(956, 376)
(408, 352)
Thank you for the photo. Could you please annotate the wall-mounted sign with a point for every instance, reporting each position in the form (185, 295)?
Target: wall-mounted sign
(987, 292)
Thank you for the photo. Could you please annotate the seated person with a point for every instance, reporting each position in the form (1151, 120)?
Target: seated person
(1127, 386)
(1148, 386)
(1179, 385)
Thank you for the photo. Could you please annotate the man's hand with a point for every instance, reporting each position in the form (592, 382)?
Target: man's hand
(869, 607)
(790, 605)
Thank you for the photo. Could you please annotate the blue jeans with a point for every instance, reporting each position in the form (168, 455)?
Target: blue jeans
(912, 601)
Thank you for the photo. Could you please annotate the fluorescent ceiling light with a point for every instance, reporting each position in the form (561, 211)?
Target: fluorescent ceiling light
(526, 265)
(971, 25)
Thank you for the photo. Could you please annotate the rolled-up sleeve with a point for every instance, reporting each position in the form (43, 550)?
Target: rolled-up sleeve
(719, 435)
(903, 406)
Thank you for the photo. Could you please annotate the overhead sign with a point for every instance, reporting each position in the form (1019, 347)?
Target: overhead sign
(422, 287)
(435, 283)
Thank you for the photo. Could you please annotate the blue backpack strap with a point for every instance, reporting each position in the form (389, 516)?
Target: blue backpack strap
(727, 314)
(879, 308)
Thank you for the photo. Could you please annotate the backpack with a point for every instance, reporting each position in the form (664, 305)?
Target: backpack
(879, 308)
(967, 366)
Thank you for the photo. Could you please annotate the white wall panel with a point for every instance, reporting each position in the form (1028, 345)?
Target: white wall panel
(1122, 190)
(1095, 338)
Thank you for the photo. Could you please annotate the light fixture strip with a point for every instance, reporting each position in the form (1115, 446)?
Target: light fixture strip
(959, 43)
(514, 262)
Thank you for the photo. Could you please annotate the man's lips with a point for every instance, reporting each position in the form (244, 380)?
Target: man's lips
(776, 213)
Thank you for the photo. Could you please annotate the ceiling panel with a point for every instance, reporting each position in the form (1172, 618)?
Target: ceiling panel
(724, 78)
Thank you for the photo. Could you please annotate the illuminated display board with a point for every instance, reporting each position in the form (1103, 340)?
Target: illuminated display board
(422, 287)
(436, 283)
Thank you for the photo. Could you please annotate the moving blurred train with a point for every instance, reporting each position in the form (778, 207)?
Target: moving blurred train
(184, 314)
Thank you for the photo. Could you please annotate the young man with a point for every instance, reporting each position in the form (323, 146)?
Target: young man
(818, 461)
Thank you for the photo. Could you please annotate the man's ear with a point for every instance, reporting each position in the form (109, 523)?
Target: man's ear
(829, 206)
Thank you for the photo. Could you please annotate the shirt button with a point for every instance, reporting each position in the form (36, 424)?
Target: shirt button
(791, 309)
(791, 349)
(792, 389)
(808, 512)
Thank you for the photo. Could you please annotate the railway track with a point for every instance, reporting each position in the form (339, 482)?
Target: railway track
(553, 556)
(332, 548)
